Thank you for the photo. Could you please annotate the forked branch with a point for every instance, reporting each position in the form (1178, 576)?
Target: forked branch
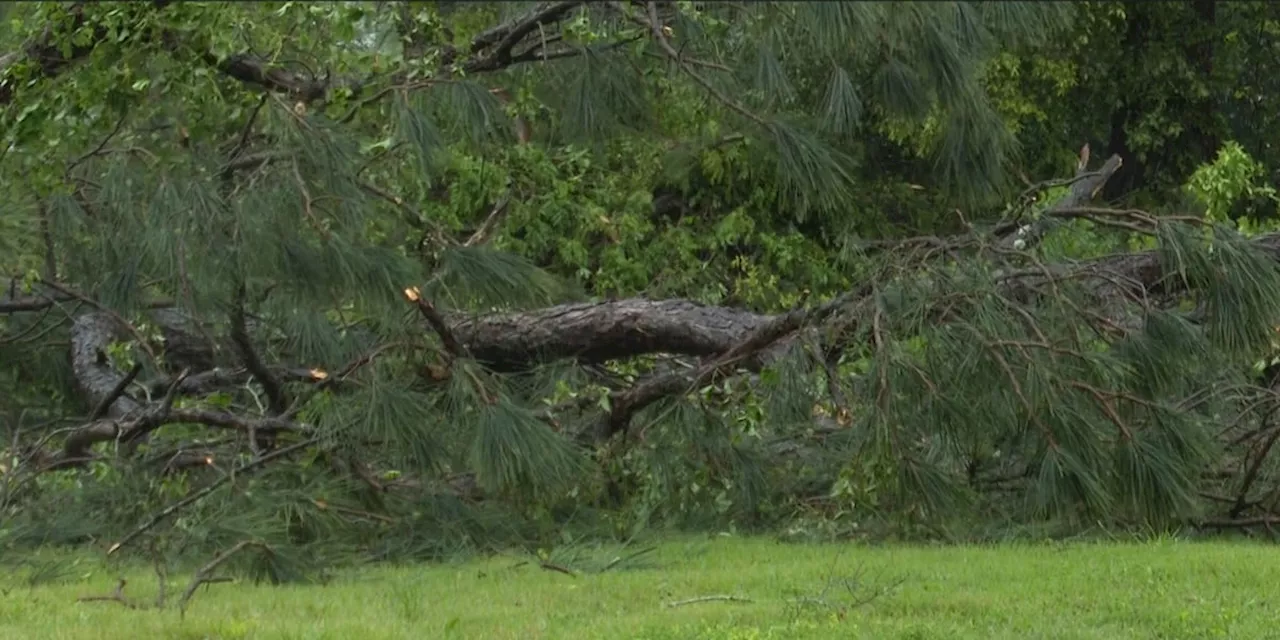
(205, 574)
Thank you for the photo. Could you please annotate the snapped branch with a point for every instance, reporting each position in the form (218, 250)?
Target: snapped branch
(276, 398)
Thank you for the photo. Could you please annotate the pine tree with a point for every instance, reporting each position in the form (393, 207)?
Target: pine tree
(239, 232)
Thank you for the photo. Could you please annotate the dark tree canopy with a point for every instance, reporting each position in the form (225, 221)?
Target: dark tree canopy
(398, 278)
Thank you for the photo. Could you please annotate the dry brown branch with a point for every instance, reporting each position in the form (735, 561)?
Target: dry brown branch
(452, 345)
(203, 575)
(116, 596)
(486, 228)
(557, 569)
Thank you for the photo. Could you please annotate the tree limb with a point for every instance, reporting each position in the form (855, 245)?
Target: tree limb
(626, 404)
(115, 393)
(76, 448)
(209, 488)
(504, 37)
(600, 331)
(437, 323)
(1084, 186)
(91, 333)
(587, 332)
(204, 575)
(255, 71)
(278, 403)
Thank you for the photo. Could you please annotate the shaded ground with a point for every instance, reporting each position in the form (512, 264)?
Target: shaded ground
(1152, 590)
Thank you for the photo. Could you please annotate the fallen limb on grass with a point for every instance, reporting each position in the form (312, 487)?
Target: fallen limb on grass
(203, 575)
(715, 598)
(116, 596)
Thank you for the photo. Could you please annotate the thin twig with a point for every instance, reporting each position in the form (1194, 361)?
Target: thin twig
(557, 568)
(116, 596)
(194, 497)
(202, 576)
(308, 202)
(620, 559)
(489, 223)
(248, 129)
(102, 145)
(656, 28)
(116, 391)
(413, 216)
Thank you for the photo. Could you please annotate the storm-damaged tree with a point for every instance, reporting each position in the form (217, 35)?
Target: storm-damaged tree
(281, 245)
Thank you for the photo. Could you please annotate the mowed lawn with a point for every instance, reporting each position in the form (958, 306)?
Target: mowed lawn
(1163, 589)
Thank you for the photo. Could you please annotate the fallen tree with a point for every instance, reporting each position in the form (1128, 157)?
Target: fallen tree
(722, 341)
(221, 310)
(597, 332)
(725, 338)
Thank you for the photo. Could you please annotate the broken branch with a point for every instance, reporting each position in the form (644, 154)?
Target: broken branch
(240, 337)
(437, 323)
(203, 575)
(208, 489)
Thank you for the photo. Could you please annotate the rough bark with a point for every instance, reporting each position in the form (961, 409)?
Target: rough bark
(91, 334)
(595, 332)
(124, 418)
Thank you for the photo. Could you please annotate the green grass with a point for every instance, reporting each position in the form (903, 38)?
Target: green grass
(1162, 589)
